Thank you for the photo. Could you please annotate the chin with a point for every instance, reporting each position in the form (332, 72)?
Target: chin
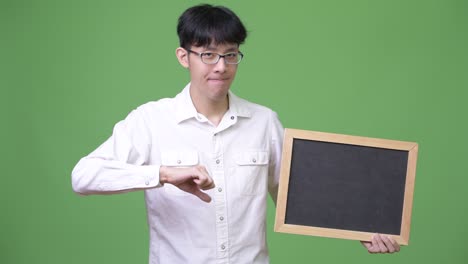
(219, 96)
(219, 93)
(220, 88)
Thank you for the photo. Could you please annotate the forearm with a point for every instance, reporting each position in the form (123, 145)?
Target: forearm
(93, 175)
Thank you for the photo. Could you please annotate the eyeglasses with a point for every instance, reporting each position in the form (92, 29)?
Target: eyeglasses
(213, 58)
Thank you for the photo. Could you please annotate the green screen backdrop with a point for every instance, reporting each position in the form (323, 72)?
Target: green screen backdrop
(70, 70)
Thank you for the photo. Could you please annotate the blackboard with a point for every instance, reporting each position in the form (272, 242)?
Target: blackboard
(345, 186)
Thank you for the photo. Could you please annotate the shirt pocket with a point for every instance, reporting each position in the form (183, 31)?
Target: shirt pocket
(178, 159)
(251, 172)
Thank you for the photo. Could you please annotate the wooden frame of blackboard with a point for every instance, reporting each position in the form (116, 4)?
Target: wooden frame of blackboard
(291, 135)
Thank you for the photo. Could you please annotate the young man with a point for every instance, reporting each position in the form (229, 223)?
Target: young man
(205, 158)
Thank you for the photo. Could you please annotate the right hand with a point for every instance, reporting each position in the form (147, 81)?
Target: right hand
(188, 179)
(381, 244)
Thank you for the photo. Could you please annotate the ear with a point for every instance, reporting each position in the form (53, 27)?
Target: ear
(182, 56)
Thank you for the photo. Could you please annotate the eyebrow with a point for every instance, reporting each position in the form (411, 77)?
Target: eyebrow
(211, 48)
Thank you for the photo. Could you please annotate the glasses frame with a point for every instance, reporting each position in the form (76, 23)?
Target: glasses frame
(200, 54)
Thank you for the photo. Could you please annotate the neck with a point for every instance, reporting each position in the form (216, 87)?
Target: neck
(214, 110)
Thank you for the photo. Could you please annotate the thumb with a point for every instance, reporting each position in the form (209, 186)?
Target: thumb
(203, 196)
(367, 245)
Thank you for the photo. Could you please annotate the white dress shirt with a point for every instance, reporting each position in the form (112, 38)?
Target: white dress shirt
(242, 155)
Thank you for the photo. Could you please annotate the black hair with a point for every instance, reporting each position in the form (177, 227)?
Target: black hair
(204, 24)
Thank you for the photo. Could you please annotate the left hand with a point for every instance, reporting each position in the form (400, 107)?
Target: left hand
(381, 244)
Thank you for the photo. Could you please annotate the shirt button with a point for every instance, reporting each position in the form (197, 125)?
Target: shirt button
(223, 247)
(217, 161)
(232, 117)
(220, 189)
(221, 218)
(179, 161)
(254, 160)
(147, 182)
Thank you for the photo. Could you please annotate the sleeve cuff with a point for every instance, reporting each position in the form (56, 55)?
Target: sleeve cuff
(150, 176)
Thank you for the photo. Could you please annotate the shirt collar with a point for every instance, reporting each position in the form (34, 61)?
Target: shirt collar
(185, 109)
(238, 106)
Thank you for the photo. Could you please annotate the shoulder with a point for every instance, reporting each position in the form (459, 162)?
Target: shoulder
(150, 111)
(152, 107)
(256, 110)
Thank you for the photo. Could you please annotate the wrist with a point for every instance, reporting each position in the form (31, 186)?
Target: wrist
(162, 175)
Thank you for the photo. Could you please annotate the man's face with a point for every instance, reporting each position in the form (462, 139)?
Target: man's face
(211, 81)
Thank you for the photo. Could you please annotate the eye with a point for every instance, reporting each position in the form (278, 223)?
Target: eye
(231, 55)
(208, 55)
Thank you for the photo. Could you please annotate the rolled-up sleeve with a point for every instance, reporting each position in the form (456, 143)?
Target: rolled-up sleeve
(276, 145)
(120, 163)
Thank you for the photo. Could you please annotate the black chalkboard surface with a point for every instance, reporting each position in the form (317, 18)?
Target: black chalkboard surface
(345, 186)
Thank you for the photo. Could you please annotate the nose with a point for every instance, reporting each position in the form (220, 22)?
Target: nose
(220, 66)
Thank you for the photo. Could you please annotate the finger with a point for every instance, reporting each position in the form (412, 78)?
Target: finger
(388, 244)
(209, 185)
(202, 178)
(382, 247)
(367, 245)
(203, 196)
(374, 245)
(205, 183)
(395, 244)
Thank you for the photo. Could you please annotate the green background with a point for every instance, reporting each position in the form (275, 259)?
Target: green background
(71, 69)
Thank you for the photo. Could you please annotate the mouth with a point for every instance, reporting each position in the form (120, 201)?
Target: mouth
(218, 80)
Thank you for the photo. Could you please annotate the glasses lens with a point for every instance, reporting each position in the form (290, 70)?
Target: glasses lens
(209, 58)
(229, 58)
(232, 58)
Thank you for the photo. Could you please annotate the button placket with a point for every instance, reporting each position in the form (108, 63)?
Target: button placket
(227, 121)
(222, 236)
